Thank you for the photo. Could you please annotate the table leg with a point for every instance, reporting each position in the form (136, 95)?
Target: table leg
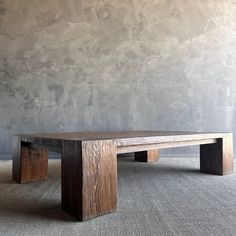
(89, 178)
(217, 158)
(29, 164)
(147, 156)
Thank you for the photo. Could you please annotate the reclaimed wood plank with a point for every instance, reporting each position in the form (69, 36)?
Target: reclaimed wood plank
(89, 178)
(217, 158)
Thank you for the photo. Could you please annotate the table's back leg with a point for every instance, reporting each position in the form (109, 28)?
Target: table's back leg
(217, 158)
(29, 164)
(89, 178)
(16, 159)
(147, 156)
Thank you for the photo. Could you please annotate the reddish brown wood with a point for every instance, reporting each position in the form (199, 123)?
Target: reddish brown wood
(162, 145)
(34, 164)
(217, 158)
(89, 163)
(147, 156)
(89, 178)
(29, 164)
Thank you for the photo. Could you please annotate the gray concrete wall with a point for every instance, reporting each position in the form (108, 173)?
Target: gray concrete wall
(68, 65)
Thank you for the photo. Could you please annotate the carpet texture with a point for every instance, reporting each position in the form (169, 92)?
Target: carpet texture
(170, 197)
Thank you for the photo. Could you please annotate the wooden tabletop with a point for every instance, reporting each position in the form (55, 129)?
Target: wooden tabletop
(127, 137)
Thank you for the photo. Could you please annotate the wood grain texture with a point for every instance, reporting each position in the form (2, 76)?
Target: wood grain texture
(164, 145)
(126, 141)
(121, 137)
(29, 164)
(228, 157)
(34, 164)
(147, 156)
(89, 136)
(100, 178)
(89, 163)
(217, 158)
(89, 178)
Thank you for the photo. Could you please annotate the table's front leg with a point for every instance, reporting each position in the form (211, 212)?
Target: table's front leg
(217, 158)
(29, 164)
(89, 178)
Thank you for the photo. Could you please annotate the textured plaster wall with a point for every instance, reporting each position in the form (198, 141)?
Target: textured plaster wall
(68, 65)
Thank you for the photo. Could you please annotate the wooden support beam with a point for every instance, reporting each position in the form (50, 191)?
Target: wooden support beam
(147, 156)
(217, 158)
(89, 178)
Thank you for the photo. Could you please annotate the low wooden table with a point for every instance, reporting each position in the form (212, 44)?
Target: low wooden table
(89, 161)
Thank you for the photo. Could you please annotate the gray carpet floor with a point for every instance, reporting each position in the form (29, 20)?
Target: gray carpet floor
(170, 197)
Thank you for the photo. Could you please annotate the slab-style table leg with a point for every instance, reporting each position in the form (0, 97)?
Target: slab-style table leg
(147, 156)
(217, 158)
(89, 178)
(29, 164)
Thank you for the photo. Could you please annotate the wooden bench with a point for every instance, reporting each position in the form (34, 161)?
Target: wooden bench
(89, 161)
